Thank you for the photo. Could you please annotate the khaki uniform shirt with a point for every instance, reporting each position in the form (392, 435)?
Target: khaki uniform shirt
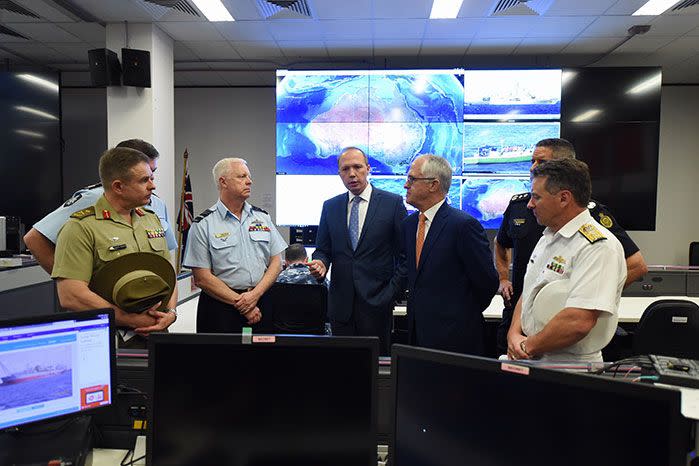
(96, 235)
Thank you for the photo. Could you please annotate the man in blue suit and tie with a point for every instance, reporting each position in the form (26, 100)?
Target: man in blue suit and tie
(451, 276)
(359, 235)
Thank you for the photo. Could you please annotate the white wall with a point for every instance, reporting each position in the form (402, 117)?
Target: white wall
(677, 222)
(213, 123)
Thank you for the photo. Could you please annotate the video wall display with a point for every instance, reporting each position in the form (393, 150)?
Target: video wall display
(484, 122)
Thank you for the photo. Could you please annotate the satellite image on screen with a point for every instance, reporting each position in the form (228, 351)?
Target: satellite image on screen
(394, 184)
(486, 198)
(503, 148)
(393, 116)
(512, 94)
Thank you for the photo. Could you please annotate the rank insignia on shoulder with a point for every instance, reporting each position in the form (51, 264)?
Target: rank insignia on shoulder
(81, 214)
(520, 197)
(519, 221)
(76, 197)
(605, 220)
(106, 214)
(139, 212)
(257, 209)
(591, 233)
(203, 215)
(155, 233)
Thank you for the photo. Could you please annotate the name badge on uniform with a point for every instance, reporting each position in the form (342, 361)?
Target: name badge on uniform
(222, 236)
(258, 226)
(156, 233)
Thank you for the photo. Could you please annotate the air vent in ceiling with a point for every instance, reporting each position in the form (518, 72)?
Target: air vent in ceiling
(520, 7)
(685, 4)
(284, 8)
(182, 6)
(10, 32)
(7, 5)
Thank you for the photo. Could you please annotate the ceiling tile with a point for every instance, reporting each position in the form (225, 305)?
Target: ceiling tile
(299, 49)
(114, 11)
(89, 32)
(345, 29)
(244, 30)
(294, 30)
(643, 44)
(538, 45)
(471, 9)
(444, 47)
(240, 78)
(182, 52)
(450, 28)
(354, 9)
(349, 48)
(673, 25)
(200, 78)
(9, 17)
(694, 32)
(577, 7)
(36, 52)
(402, 9)
(389, 48)
(191, 31)
(258, 50)
(44, 32)
(399, 28)
(626, 7)
(608, 26)
(45, 10)
(209, 50)
(492, 46)
(559, 26)
(229, 66)
(585, 45)
(76, 52)
(676, 51)
(494, 28)
(6, 38)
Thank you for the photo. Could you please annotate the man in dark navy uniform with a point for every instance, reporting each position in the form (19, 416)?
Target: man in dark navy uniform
(520, 232)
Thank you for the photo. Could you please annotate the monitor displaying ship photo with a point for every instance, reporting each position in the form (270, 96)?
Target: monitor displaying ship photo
(512, 95)
(503, 148)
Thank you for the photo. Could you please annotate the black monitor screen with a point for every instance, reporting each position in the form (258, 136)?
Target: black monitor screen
(55, 365)
(297, 401)
(454, 409)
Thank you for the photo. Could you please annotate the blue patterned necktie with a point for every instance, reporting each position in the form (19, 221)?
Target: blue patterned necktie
(354, 222)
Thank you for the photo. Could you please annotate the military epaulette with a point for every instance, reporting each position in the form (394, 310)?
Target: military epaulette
(148, 209)
(92, 186)
(203, 215)
(521, 197)
(591, 233)
(81, 214)
(601, 212)
(259, 210)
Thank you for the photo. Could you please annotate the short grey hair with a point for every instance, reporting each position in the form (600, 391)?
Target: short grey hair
(439, 168)
(223, 167)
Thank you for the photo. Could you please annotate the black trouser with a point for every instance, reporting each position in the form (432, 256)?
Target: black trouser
(214, 316)
(363, 323)
(503, 328)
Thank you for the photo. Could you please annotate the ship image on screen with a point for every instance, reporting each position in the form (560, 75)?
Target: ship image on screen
(28, 377)
(512, 94)
(503, 148)
(486, 198)
(392, 115)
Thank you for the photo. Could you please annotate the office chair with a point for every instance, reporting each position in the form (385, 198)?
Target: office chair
(669, 327)
(295, 309)
(694, 253)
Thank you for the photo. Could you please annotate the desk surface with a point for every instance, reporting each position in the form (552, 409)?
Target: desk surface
(630, 308)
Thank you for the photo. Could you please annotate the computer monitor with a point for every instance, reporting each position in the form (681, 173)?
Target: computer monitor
(55, 365)
(457, 409)
(262, 400)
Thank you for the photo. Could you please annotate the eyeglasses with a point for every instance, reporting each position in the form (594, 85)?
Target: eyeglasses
(413, 179)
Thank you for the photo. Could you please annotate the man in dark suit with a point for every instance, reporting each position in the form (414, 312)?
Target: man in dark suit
(359, 235)
(451, 276)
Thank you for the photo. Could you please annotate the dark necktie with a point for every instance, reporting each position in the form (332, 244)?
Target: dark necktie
(354, 222)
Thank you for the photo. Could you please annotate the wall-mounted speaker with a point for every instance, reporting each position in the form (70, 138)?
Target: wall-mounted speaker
(136, 67)
(104, 68)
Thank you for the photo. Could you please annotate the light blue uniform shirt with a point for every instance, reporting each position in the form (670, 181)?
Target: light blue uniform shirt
(51, 225)
(237, 251)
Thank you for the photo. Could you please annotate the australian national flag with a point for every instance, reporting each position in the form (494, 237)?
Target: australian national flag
(186, 214)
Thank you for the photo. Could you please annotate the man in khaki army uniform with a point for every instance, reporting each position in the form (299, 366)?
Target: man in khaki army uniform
(116, 225)
(576, 248)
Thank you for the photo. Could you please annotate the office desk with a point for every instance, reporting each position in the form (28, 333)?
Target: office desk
(111, 457)
(630, 308)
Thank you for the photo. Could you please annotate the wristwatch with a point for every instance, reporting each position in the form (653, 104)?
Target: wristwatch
(523, 347)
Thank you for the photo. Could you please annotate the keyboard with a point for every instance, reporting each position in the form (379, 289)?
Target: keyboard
(676, 371)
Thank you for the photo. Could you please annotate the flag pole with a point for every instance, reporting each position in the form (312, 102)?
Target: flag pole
(180, 216)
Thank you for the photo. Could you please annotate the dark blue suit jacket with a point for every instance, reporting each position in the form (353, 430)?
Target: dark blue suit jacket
(371, 271)
(454, 282)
